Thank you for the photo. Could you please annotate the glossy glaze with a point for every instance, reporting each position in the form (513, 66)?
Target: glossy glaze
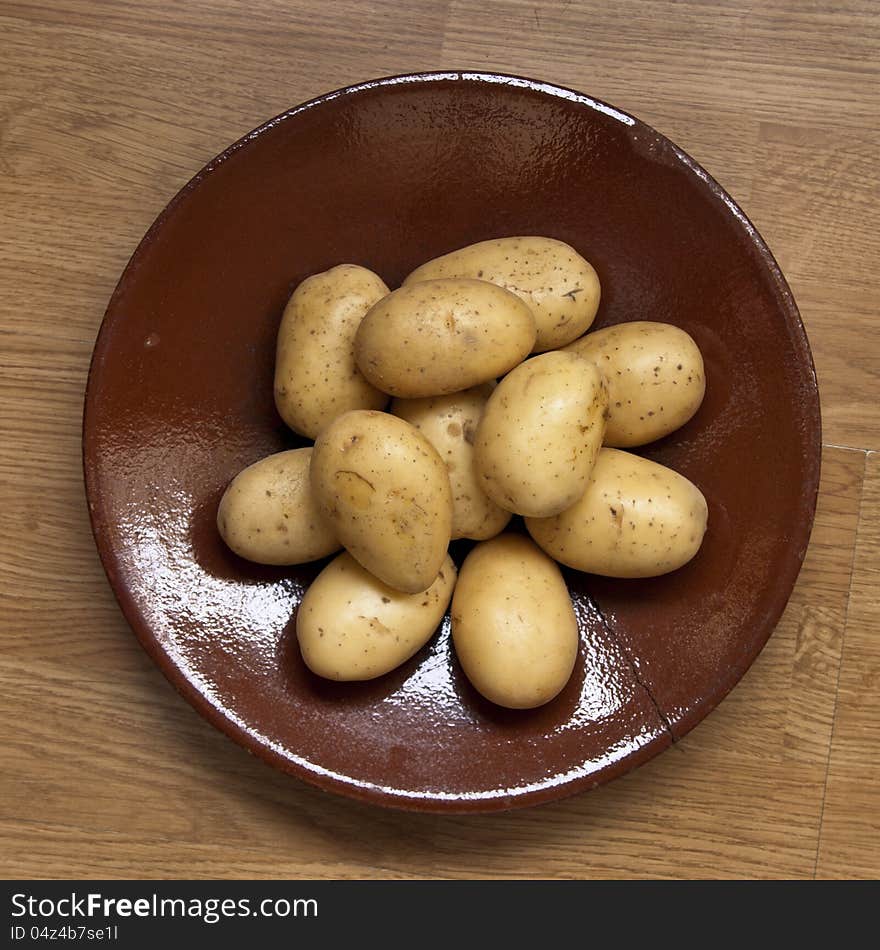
(389, 174)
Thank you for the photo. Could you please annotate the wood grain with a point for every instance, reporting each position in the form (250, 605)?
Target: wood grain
(105, 111)
(850, 839)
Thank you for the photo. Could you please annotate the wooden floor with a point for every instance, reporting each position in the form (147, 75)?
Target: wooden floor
(105, 110)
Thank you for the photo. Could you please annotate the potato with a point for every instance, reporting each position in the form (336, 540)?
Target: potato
(351, 626)
(513, 624)
(636, 519)
(559, 286)
(540, 432)
(655, 374)
(268, 513)
(442, 336)
(450, 424)
(385, 490)
(316, 378)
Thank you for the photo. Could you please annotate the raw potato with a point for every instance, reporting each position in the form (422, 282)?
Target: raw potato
(450, 425)
(385, 491)
(351, 626)
(560, 287)
(513, 624)
(656, 379)
(636, 519)
(316, 378)
(540, 433)
(442, 336)
(268, 513)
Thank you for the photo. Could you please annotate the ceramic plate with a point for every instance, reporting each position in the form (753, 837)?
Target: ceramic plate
(388, 174)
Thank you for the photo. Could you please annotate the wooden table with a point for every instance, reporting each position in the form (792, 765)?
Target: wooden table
(106, 109)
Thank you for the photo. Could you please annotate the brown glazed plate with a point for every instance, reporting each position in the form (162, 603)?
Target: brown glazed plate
(388, 174)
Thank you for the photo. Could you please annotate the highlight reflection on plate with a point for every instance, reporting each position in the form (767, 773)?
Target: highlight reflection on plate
(389, 174)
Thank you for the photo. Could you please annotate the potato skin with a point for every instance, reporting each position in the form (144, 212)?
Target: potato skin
(513, 624)
(560, 287)
(656, 378)
(450, 424)
(351, 626)
(442, 336)
(540, 433)
(316, 378)
(385, 490)
(636, 519)
(268, 513)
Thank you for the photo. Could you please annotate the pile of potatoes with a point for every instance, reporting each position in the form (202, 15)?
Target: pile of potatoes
(432, 421)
